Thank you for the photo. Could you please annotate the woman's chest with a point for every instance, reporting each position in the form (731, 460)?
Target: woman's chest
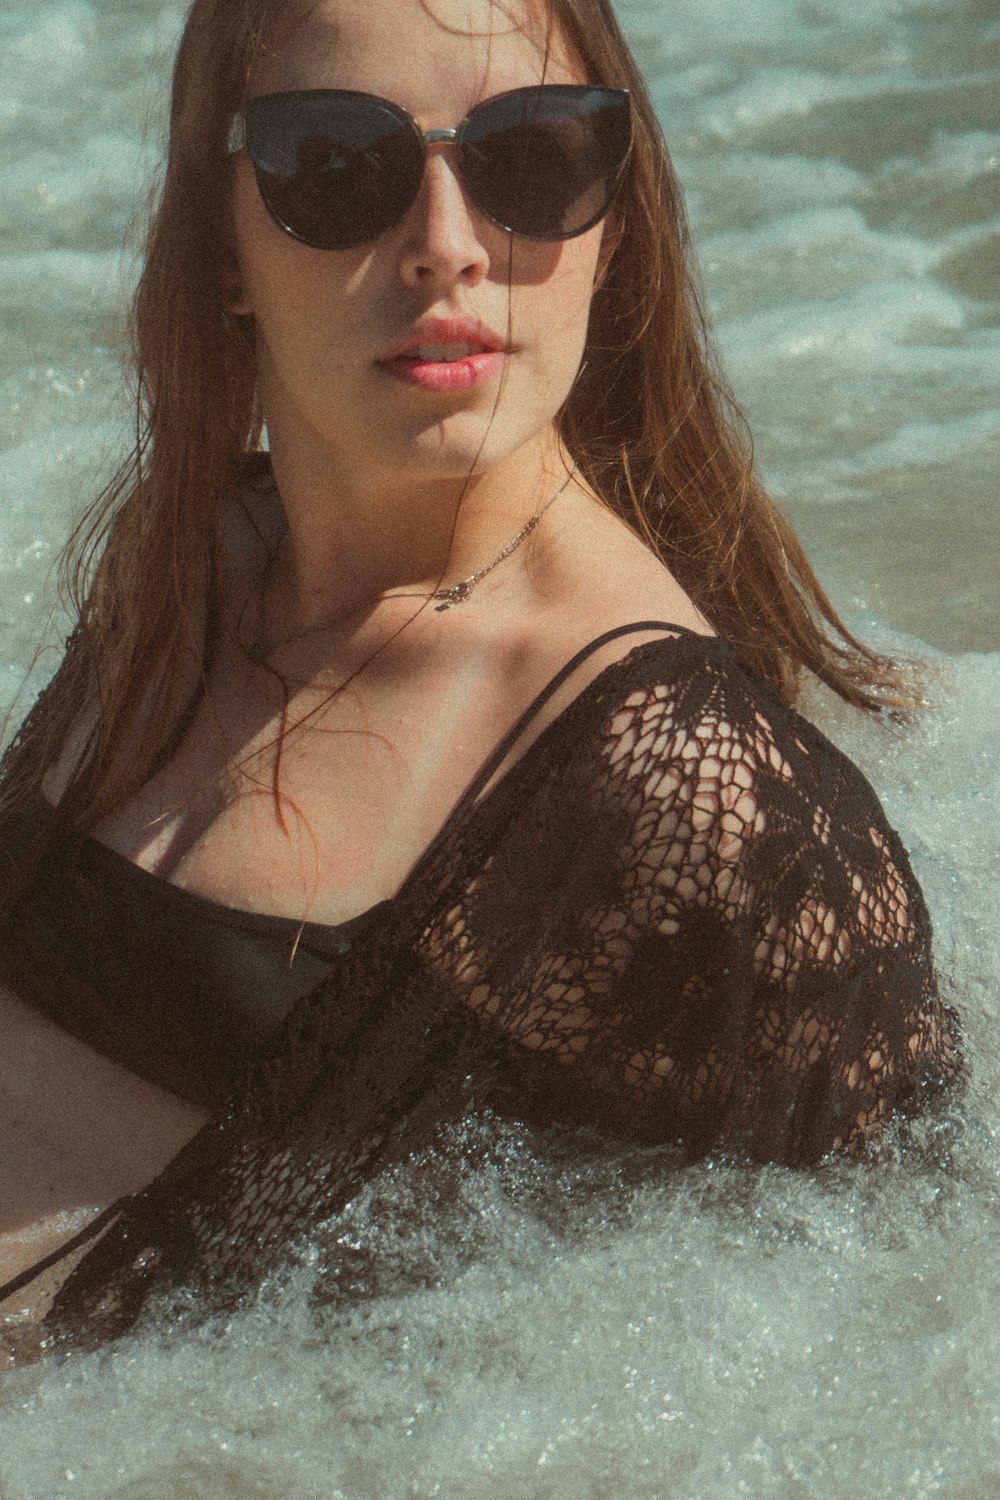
(320, 810)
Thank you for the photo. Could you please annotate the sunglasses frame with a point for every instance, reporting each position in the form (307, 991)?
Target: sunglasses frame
(240, 139)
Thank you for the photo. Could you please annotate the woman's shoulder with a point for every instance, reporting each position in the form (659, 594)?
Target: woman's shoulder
(689, 895)
(685, 696)
(678, 742)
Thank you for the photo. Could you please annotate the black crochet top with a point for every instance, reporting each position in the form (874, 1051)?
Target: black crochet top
(680, 916)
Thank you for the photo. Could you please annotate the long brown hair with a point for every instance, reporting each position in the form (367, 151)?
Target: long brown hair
(650, 422)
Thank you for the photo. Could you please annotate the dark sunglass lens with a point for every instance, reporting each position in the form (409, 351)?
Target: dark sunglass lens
(546, 162)
(335, 170)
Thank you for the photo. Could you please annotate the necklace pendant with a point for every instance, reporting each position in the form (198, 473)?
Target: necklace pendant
(457, 594)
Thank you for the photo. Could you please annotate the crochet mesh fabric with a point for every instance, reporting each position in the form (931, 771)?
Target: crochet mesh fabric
(680, 916)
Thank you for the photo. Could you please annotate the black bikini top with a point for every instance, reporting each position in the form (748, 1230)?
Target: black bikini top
(90, 937)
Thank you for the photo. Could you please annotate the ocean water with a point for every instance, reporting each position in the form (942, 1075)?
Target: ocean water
(540, 1328)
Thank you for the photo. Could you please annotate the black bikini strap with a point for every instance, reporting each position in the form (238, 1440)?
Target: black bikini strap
(510, 739)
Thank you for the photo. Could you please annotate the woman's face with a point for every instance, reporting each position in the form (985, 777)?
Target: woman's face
(329, 323)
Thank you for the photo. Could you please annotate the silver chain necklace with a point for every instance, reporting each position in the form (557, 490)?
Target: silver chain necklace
(456, 593)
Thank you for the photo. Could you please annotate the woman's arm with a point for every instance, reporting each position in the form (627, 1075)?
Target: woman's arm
(705, 918)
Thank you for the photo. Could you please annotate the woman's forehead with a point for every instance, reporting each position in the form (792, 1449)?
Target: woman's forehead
(392, 46)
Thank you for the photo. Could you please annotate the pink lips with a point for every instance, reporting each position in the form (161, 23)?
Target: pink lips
(446, 355)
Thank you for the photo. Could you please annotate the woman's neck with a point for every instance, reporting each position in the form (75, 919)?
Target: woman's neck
(352, 541)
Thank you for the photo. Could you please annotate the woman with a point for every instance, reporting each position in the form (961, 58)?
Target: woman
(444, 757)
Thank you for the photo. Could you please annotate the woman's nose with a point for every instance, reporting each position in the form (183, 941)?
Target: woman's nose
(441, 234)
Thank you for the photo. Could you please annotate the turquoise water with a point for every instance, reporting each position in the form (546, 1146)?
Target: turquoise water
(622, 1330)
